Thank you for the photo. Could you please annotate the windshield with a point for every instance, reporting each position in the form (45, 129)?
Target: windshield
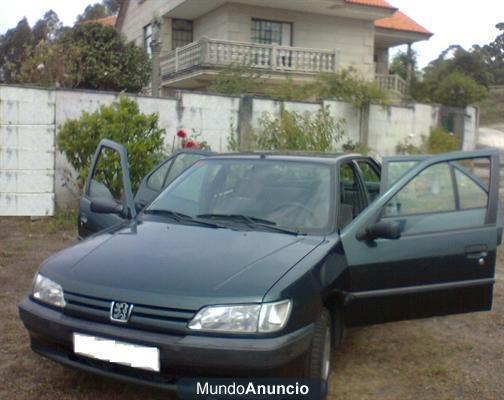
(284, 194)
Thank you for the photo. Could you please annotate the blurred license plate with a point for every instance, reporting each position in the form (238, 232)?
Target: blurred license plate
(114, 351)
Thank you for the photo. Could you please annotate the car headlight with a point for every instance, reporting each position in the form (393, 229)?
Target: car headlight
(48, 291)
(247, 318)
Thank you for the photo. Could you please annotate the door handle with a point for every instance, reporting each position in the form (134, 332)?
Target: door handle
(477, 252)
(481, 254)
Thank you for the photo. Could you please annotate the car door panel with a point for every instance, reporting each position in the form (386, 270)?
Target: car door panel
(113, 172)
(444, 262)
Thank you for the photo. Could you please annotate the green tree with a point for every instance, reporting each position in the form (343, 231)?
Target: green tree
(401, 63)
(459, 90)
(51, 64)
(93, 12)
(123, 122)
(106, 61)
(492, 56)
(47, 28)
(13, 49)
(112, 6)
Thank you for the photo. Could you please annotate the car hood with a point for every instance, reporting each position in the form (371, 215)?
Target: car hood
(172, 265)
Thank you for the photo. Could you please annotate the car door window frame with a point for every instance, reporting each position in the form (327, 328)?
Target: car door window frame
(375, 167)
(372, 215)
(128, 202)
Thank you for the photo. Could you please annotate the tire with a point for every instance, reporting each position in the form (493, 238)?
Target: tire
(318, 358)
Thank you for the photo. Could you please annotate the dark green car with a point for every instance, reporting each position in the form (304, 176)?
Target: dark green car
(254, 263)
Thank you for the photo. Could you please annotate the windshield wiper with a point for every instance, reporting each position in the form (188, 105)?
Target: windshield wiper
(250, 221)
(179, 217)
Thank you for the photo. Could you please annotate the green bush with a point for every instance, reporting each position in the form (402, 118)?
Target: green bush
(355, 147)
(459, 90)
(293, 131)
(347, 86)
(441, 141)
(290, 91)
(408, 148)
(236, 80)
(121, 122)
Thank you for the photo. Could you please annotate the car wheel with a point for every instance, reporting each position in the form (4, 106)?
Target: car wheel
(318, 359)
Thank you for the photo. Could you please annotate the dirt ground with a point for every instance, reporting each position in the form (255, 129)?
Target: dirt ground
(457, 357)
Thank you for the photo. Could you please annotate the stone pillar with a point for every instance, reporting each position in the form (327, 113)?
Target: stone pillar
(245, 130)
(156, 69)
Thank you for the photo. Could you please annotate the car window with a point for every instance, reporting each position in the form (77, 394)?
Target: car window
(180, 164)
(395, 169)
(156, 180)
(371, 179)
(368, 173)
(107, 180)
(471, 194)
(444, 196)
(351, 198)
(430, 191)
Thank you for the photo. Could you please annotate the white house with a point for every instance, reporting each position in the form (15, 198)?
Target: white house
(189, 40)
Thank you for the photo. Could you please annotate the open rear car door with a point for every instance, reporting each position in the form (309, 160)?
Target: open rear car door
(426, 246)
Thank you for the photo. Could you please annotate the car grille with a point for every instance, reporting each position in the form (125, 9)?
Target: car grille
(144, 317)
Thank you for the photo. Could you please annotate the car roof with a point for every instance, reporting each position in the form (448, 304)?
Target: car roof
(326, 158)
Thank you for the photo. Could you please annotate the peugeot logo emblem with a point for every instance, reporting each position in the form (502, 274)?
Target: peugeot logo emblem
(120, 311)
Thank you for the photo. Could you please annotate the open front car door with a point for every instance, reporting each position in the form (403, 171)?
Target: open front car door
(108, 198)
(427, 246)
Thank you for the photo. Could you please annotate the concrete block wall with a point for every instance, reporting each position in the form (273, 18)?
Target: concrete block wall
(389, 126)
(27, 151)
(34, 175)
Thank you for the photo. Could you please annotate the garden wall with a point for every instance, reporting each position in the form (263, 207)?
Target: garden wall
(34, 175)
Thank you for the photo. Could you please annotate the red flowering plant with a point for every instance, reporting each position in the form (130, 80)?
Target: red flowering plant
(187, 141)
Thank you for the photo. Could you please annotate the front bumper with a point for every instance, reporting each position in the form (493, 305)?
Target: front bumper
(181, 356)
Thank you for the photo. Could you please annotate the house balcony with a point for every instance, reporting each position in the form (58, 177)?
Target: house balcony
(392, 83)
(193, 65)
(196, 65)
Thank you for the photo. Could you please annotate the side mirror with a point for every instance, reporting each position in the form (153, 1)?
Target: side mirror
(106, 206)
(381, 230)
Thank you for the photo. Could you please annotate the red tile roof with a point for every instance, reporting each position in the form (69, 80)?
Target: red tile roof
(372, 3)
(401, 22)
(398, 21)
(105, 21)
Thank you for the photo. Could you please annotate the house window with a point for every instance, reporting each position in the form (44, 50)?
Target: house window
(147, 39)
(269, 32)
(182, 33)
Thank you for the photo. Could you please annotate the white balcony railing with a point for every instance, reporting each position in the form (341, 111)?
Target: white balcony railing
(219, 53)
(393, 83)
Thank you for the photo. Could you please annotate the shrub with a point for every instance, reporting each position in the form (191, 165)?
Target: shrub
(459, 90)
(236, 80)
(288, 90)
(441, 141)
(355, 147)
(294, 131)
(121, 122)
(347, 86)
(408, 148)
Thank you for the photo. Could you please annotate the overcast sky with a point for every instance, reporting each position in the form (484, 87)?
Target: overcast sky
(453, 21)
